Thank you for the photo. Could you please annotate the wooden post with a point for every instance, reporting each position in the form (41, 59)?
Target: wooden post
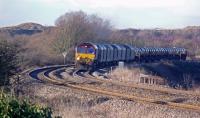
(150, 80)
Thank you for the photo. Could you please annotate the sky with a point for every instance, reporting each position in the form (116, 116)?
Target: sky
(143, 14)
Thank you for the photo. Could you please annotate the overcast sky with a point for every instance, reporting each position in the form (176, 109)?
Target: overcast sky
(122, 13)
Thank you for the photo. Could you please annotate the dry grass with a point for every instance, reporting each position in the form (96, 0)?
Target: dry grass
(197, 90)
(125, 75)
(71, 103)
(64, 101)
(131, 75)
(128, 109)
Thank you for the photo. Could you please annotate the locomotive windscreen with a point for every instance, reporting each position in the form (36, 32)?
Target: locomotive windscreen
(88, 49)
(81, 49)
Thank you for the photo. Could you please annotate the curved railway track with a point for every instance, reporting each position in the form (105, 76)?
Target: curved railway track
(139, 86)
(50, 75)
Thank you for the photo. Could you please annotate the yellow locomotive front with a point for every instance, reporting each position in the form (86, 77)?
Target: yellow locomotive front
(85, 55)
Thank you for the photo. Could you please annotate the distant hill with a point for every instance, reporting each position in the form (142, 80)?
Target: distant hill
(35, 42)
(190, 32)
(22, 29)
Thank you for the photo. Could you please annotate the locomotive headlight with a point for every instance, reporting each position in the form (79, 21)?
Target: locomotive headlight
(78, 58)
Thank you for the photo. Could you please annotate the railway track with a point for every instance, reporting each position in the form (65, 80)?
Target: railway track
(165, 97)
(48, 75)
(148, 87)
(89, 76)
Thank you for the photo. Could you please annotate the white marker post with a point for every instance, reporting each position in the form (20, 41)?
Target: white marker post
(64, 55)
(121, 64)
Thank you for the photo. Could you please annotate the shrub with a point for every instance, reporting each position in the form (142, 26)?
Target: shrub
(10, 107)
(8, 60)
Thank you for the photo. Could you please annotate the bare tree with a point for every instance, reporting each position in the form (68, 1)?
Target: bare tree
(81, 26)
(73, 25)
(62, 43)
(77, 27)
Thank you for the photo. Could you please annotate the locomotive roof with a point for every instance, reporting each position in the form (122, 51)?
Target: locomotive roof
(96, 45)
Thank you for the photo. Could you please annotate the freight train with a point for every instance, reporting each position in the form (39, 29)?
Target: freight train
(90, 55)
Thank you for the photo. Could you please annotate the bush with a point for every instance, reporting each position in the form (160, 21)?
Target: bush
(8, 60)
(10, 107)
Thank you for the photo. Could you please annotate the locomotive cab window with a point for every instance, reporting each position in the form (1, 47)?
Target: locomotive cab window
(90, 50)
(81, 50)
(86, 49)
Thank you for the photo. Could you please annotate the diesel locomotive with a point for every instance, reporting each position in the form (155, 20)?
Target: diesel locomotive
(91, 55)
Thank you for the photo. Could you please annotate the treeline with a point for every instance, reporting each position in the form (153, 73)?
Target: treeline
(188, 38)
